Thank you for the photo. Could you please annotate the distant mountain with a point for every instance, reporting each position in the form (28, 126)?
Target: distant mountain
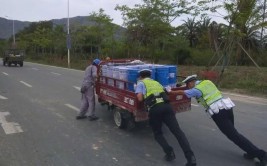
(6, 26)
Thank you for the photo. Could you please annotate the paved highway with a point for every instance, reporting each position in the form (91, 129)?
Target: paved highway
(38, 105)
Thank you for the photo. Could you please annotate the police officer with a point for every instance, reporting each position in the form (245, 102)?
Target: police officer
(152, 92)
(88, 93)
(221, 111)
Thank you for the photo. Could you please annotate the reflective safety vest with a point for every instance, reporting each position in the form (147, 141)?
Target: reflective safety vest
(210, 93)
(153, 87)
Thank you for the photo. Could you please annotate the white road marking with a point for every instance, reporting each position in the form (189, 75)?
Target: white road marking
(5, 73)
(95, 147)
(147, 155)
(73, 107)
(55, 73)
(9, 127)
(77, 87)
(59, 115)
(195, 105)
(34, 68)
(28, 85)
(3, 97)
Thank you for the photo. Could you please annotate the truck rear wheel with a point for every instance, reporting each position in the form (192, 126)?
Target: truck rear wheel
(4, 62)
(119, 120)
(21, 64)
(123, 119)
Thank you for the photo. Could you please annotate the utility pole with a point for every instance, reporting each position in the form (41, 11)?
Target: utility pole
(263, 19)
(14, 38)
(68, 37)
(13, 31)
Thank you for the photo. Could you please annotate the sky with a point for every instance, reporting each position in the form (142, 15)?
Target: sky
(41, 10)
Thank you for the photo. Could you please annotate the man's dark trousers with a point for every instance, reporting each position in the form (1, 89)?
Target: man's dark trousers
(225, 121)
(163, 113)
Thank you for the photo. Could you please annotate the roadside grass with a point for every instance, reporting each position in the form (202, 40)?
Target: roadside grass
(247, 80)
(62, 62)
(240, 79)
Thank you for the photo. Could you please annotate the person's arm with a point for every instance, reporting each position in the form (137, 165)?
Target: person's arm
(140, 97)
(94, 71)
(189, 92)
(178, 92)
(140, 91)
(90, 75)
(84, 86)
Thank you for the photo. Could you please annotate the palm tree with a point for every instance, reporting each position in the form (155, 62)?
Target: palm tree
(190, 30)
(203, 32)
(244, 25)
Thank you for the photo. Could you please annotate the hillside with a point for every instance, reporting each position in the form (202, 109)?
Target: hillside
(6, 25)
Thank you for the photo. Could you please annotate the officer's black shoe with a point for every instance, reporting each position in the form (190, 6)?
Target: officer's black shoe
(191, 161)
(263, 161)
(93, 117)
(170, 156)
(81, 117)
(248, 156)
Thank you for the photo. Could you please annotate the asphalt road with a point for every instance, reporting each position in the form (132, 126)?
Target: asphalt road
(38, 105)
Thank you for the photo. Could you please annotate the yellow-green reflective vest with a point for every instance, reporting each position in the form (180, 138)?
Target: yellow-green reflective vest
(210, 93)
(153, 87)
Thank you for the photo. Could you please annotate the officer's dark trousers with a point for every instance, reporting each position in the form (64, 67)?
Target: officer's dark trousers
(163, 113)
(225, 121)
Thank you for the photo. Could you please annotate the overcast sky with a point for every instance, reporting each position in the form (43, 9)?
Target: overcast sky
(40, 10)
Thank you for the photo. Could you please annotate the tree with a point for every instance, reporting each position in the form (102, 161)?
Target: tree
(190, 31)
(102, 31)
(148, 25)
(244, 18)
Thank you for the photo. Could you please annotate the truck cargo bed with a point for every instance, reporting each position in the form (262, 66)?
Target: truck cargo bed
(120, 97)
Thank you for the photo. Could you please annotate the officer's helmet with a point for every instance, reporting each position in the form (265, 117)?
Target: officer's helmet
(96, 61)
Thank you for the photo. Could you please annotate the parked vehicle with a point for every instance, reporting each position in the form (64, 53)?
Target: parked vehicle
(127, 110)
(13, 56)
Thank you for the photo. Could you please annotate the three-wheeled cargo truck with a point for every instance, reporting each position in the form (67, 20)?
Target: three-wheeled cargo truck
(119, 95)
(13, 56)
